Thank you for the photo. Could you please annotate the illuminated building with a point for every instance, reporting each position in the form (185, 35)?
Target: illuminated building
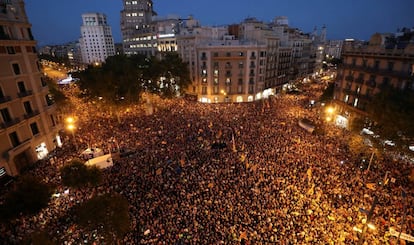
(138, 36)
(243, 62)
(28, 122)
(386, 59)
(96, 40)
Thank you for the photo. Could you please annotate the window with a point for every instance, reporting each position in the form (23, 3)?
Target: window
(49, 99)
(21, 86)
(216, 80)
(215, 54)
(390, 66)
(204, 90)
(34, 128)
(27, 107)
(240, 82)
(228, 80)
(240, 89)
(228, 54)
(16, 68)
(5, 115)
(52, 119)
(14, 139)
(10, 50)
(216, 89)
(377, 64)
(43, 82)
(241, 54)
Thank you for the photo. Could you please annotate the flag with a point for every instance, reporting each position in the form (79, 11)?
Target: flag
(159, 171)
(371, 186)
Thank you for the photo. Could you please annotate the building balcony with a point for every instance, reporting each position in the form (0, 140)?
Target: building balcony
(349, 78)
(253, 57)
(5, 99)
(371, 83)
(10, 123)
(31, 114)
(25, 93)
(359, 80)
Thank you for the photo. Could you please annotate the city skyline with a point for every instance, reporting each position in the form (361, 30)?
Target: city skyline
(343, 19)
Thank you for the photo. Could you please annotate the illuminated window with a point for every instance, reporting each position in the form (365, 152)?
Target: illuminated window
(356, 102)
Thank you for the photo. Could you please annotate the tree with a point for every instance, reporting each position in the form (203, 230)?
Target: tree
(392, 110)
(29, 196)
(39, 238)
(167, 77)
(116, 81)
(58, 96)
(328, 93)
(108, 214)
(77, 174)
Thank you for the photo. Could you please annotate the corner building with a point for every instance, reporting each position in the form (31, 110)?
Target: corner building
(28, 123)
(386, 59)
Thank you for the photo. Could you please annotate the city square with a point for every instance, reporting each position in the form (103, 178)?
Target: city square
(272, 183)
(292, 127)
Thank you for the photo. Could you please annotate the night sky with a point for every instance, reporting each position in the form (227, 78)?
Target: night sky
(59, 21)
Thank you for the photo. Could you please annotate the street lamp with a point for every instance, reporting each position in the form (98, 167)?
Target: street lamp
(329, 111)
(71, 127)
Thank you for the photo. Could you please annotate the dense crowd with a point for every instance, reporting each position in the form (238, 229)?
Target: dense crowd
(268, 182)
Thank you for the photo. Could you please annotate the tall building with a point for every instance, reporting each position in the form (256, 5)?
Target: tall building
(96, 40)
(28, 122)
(386, 59)
(243, 62)
(138, 35)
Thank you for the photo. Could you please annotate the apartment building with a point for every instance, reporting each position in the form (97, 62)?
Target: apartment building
(385, 59)
(96, 40)
(28, 123)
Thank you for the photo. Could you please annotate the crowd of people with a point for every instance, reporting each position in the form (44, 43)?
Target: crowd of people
(227, 174)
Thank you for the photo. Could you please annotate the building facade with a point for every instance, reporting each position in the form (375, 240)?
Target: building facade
(96, 40)
(138, 34)
(386, 59)
(28, 124)
(243, 62)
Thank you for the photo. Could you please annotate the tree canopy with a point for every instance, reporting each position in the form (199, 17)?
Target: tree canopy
(77, 174)
(392, 110)
(121, 79)
(108, 214)
(29, 196)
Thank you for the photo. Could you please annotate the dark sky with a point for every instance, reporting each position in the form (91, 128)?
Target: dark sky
(59, 21)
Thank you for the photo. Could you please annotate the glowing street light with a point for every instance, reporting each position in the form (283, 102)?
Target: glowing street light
(71, 127)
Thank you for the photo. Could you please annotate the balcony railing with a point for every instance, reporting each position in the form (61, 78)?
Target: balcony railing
(371, 83)
(25, 93)
(31, 114)
(359, 80)
(10, 123)
(5, 99)
(349, 78)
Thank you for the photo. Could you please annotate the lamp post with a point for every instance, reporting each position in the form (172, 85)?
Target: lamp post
(368, 222)
(71, 127)
(329, 113)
